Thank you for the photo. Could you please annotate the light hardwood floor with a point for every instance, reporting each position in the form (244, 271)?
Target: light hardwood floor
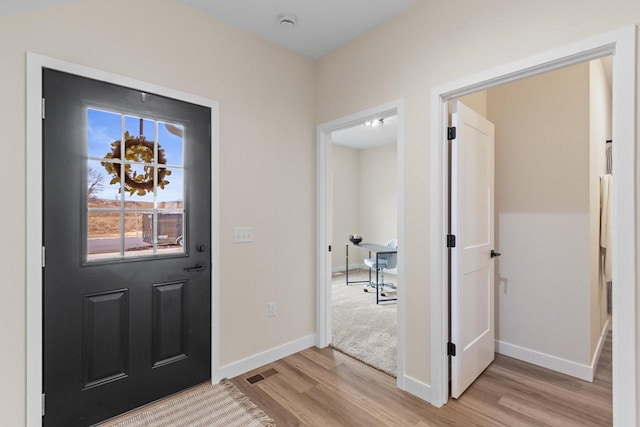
(323, 387)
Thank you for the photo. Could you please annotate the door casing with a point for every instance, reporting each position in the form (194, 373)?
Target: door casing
(324, 224)
(622, 44)
(35, 64)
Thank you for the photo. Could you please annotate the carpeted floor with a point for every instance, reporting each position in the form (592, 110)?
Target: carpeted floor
(207, 405)
(361, 328)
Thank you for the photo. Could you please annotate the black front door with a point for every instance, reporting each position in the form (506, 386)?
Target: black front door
(127, 296)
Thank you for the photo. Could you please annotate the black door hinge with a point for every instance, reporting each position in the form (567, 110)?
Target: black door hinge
(451, 240)
(451, 133)
(329, 248)
(451, 349)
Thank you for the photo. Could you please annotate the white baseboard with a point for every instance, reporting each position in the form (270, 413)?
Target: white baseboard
(417, 388)
(252, 362)
(596, 355)
(341, 268)
(564, 366)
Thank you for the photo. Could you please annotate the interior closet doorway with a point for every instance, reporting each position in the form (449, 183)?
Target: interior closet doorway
(622, 43)
(551, 224)
(339, 167)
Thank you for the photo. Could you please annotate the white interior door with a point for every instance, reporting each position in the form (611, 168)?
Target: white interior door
(472, 222)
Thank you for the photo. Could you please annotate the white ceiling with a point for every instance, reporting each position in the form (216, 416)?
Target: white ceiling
(12, 6)
(361, 137)
(323, 25)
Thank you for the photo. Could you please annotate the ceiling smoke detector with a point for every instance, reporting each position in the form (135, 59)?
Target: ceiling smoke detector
(287, 21)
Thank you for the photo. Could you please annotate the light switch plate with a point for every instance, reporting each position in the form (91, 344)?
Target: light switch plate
(243, 234)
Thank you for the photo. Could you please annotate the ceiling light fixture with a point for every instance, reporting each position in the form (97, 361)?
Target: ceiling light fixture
(374, 123)
(287, 21)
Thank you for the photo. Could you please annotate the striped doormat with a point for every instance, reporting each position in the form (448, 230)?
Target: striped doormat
(211, 405)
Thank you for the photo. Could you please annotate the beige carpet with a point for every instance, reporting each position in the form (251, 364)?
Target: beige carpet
(210, 405)
(361, 328)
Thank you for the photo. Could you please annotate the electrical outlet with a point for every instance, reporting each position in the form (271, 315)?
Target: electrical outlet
(271, 309)
(243, 234)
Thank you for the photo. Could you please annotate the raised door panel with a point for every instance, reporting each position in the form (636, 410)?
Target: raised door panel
(105, 337)
(169, 322)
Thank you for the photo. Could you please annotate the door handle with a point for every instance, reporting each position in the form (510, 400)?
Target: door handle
(494, 253)
(195, 268)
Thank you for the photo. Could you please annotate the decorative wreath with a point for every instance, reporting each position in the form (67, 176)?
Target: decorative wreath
(136, 150)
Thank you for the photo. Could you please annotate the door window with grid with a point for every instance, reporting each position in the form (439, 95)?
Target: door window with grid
(135, 203)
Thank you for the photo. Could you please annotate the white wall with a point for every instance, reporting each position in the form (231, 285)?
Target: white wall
(378, 193)
(476, 101)
(364, 198)
(542, 213)
(345, 170)
(421, 51)
(267, 149)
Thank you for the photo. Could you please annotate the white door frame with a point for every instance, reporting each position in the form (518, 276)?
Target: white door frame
(622, 44)
(324, 225)
(35, 64)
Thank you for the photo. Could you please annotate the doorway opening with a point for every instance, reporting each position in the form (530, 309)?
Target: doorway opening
(621, 44)
(550, 224)
(364, 272)
(360, 191)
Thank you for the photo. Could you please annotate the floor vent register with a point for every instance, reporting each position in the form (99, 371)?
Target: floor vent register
(264, 375)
